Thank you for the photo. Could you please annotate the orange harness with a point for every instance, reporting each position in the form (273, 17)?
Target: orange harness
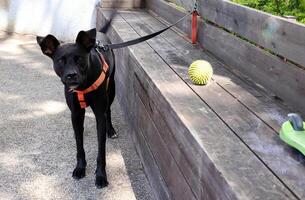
(95, 85)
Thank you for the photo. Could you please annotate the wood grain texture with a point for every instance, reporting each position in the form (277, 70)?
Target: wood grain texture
(187, 4)
(127, 99)
(244, 89)
(150, 166)
(174, 179)
(122, 4)
(198, 130)
(169, 12)
(252, 130)
(277, 34)
(200, 189)
(283, 79)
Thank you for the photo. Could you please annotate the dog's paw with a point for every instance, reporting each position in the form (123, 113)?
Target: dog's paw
(78, 173)
(112, 133)
(101, 182)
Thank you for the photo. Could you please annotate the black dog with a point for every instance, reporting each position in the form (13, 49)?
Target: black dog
(79, 66)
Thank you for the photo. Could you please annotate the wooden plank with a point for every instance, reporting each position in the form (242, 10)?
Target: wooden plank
(151, 168)
(171, 143)
(278, 34)
(169, 12)
(122, 4)
(185, 107)
(171, 174)
(283, 79)
(273, 113)
(260, 66)
(173, 178)
(189, 5)
(195, 182)
(206, 174)
(257, 135)
(202, 190)
(247, 93)
(126, 98)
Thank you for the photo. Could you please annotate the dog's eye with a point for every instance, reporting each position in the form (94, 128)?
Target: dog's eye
(62, 60)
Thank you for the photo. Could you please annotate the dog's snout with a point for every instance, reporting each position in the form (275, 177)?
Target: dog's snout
(71, 76)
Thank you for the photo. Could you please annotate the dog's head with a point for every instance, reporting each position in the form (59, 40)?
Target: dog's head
(71, 61)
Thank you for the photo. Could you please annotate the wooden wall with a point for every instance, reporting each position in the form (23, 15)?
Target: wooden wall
(123, 4)
(275, 33)
(196, 146)
(285, 80)
(187, 150)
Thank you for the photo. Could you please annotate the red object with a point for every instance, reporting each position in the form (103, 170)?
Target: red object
(194, 27)
(94, 86)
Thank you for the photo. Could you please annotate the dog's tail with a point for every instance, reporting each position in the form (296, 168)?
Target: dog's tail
(114, 6)
(105, 28)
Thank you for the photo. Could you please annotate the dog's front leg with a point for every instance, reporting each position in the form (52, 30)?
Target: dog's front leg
(101, 177)
(78, 127)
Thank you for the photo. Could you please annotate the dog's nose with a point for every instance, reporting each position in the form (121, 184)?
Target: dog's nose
(71, 76)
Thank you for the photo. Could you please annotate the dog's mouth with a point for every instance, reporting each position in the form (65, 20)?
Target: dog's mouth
(73, 85)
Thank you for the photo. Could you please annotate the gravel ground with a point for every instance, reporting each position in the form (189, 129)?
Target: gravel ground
(37, 147)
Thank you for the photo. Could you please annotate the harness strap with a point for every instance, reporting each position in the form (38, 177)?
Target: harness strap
(95, 85)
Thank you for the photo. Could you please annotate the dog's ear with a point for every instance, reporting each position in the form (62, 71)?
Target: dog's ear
(48, 44)
(86, 39)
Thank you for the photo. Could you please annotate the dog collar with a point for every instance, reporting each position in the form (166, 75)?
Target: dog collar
(95, 85)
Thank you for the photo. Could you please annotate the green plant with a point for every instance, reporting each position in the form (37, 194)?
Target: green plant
(278, 7)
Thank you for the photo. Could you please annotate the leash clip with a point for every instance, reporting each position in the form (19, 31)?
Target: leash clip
(195, 9)
(105, 47)
(99, 46)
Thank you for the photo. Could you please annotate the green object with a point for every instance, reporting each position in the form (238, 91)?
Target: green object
(278, 7)
(200, 72)
(293, 133)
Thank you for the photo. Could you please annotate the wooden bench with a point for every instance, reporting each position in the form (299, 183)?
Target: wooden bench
(199, 142)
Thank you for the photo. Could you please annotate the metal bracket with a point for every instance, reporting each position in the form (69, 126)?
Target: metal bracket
(196, 7)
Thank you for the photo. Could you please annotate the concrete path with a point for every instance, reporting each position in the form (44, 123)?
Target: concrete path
(37, 147)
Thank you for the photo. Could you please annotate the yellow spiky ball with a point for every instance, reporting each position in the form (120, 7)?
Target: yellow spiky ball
(200, 72)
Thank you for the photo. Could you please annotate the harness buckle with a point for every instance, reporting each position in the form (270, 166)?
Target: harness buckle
(97, 83)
